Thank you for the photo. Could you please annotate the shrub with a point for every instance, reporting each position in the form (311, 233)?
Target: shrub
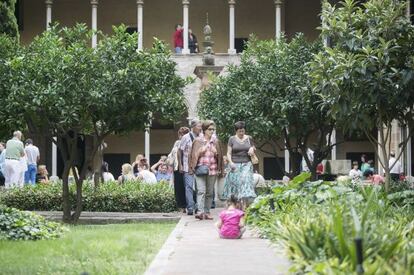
(317, 223)
(23, 225)
(109, 197)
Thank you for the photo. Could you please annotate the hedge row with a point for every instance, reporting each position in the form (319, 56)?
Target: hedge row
(109, 197)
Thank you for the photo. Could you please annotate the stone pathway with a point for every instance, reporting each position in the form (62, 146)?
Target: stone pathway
(195, 248)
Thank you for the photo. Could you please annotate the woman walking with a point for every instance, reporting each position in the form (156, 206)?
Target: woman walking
(206, 163)
(239, 181)
(179, 188)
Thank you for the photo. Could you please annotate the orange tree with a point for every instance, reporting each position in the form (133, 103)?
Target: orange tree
(65, 89)
(272, 92)
(366, 76)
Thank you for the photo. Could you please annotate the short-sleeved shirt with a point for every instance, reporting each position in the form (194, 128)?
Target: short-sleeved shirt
(32, 153)
(230, 220)
(186, 144)
(377, 179)
(162, 176)
(15, 149)
(240, 149)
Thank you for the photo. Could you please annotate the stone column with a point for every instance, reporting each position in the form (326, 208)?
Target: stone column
(278, 6)
(380, 168)
(232, 25)
(186, 5)
(94, 4)
(140, 20)
(49, 4)
(54, 157)
(147, 144)
(287, 161)
(333, 141)
(408, 155)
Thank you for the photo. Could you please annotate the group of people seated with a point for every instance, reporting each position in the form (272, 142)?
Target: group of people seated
(140, 170)
(367, 171)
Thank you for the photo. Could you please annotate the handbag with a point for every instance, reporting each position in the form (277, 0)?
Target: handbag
(201, 170)
(254, 159)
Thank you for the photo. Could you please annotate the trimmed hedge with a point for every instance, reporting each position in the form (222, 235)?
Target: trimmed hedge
(23, 225)
(109, 197)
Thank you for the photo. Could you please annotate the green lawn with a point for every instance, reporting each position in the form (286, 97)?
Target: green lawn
(95, 249)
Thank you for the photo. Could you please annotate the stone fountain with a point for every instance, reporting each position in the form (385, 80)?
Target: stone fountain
(208, 66)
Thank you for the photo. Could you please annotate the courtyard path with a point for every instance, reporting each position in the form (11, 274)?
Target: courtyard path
(195, 248)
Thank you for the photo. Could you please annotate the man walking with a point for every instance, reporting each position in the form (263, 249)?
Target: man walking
(183, 163)
(14, 152)
(396, 170)
(33, 157)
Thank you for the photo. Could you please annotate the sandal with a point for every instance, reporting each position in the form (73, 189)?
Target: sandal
(208, 217)
(200, 216)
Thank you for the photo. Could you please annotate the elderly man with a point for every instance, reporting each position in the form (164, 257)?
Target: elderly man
(183, 156)
(12, 167)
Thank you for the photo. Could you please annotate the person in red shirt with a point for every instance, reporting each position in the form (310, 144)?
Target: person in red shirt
(178, 39)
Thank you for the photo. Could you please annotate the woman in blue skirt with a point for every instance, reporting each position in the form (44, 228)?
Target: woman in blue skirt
(239, 181)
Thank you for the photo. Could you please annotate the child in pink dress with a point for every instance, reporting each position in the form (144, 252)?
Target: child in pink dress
(231, 223)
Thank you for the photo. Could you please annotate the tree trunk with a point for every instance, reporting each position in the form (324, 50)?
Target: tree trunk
(295, 160)
(66, 195)
(79, 201)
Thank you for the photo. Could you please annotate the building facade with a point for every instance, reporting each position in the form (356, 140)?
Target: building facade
(232, 21)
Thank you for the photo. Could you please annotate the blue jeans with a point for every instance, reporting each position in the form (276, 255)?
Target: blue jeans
(30, 174)
(189, 192)
(178, 50)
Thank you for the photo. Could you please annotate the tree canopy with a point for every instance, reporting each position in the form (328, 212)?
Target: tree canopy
(8, 22)
(272, 92)
(64, 88)
(366, 76)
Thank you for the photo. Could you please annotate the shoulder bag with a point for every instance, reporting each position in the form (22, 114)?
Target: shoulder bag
(201, 170)
(253, 158)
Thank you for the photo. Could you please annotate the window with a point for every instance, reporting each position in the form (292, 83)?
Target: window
(131, 30)
(240, 44)
(271, 168)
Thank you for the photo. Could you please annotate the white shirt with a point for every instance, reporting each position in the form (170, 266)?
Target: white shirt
(32, 153)
(305, 167)
(355, 174)
(147, 177)
(397, 169)
(258, 180)
(108, 177)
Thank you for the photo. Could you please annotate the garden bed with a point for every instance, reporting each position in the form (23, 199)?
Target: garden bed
(317, 223)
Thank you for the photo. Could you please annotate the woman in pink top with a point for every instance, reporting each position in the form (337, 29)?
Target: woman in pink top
(231, 223)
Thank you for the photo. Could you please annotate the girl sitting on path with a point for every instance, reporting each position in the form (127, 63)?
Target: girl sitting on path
(231, 223)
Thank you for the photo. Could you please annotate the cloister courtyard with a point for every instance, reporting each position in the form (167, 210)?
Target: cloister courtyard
(206, 137)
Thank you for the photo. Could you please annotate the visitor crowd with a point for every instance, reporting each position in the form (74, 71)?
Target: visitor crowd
(19, 163)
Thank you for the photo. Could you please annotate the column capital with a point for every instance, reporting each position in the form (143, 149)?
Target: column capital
(186, 2)
(232, 2)
(278, 2)
(140, 2)
(94, 2)
(48, 2)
